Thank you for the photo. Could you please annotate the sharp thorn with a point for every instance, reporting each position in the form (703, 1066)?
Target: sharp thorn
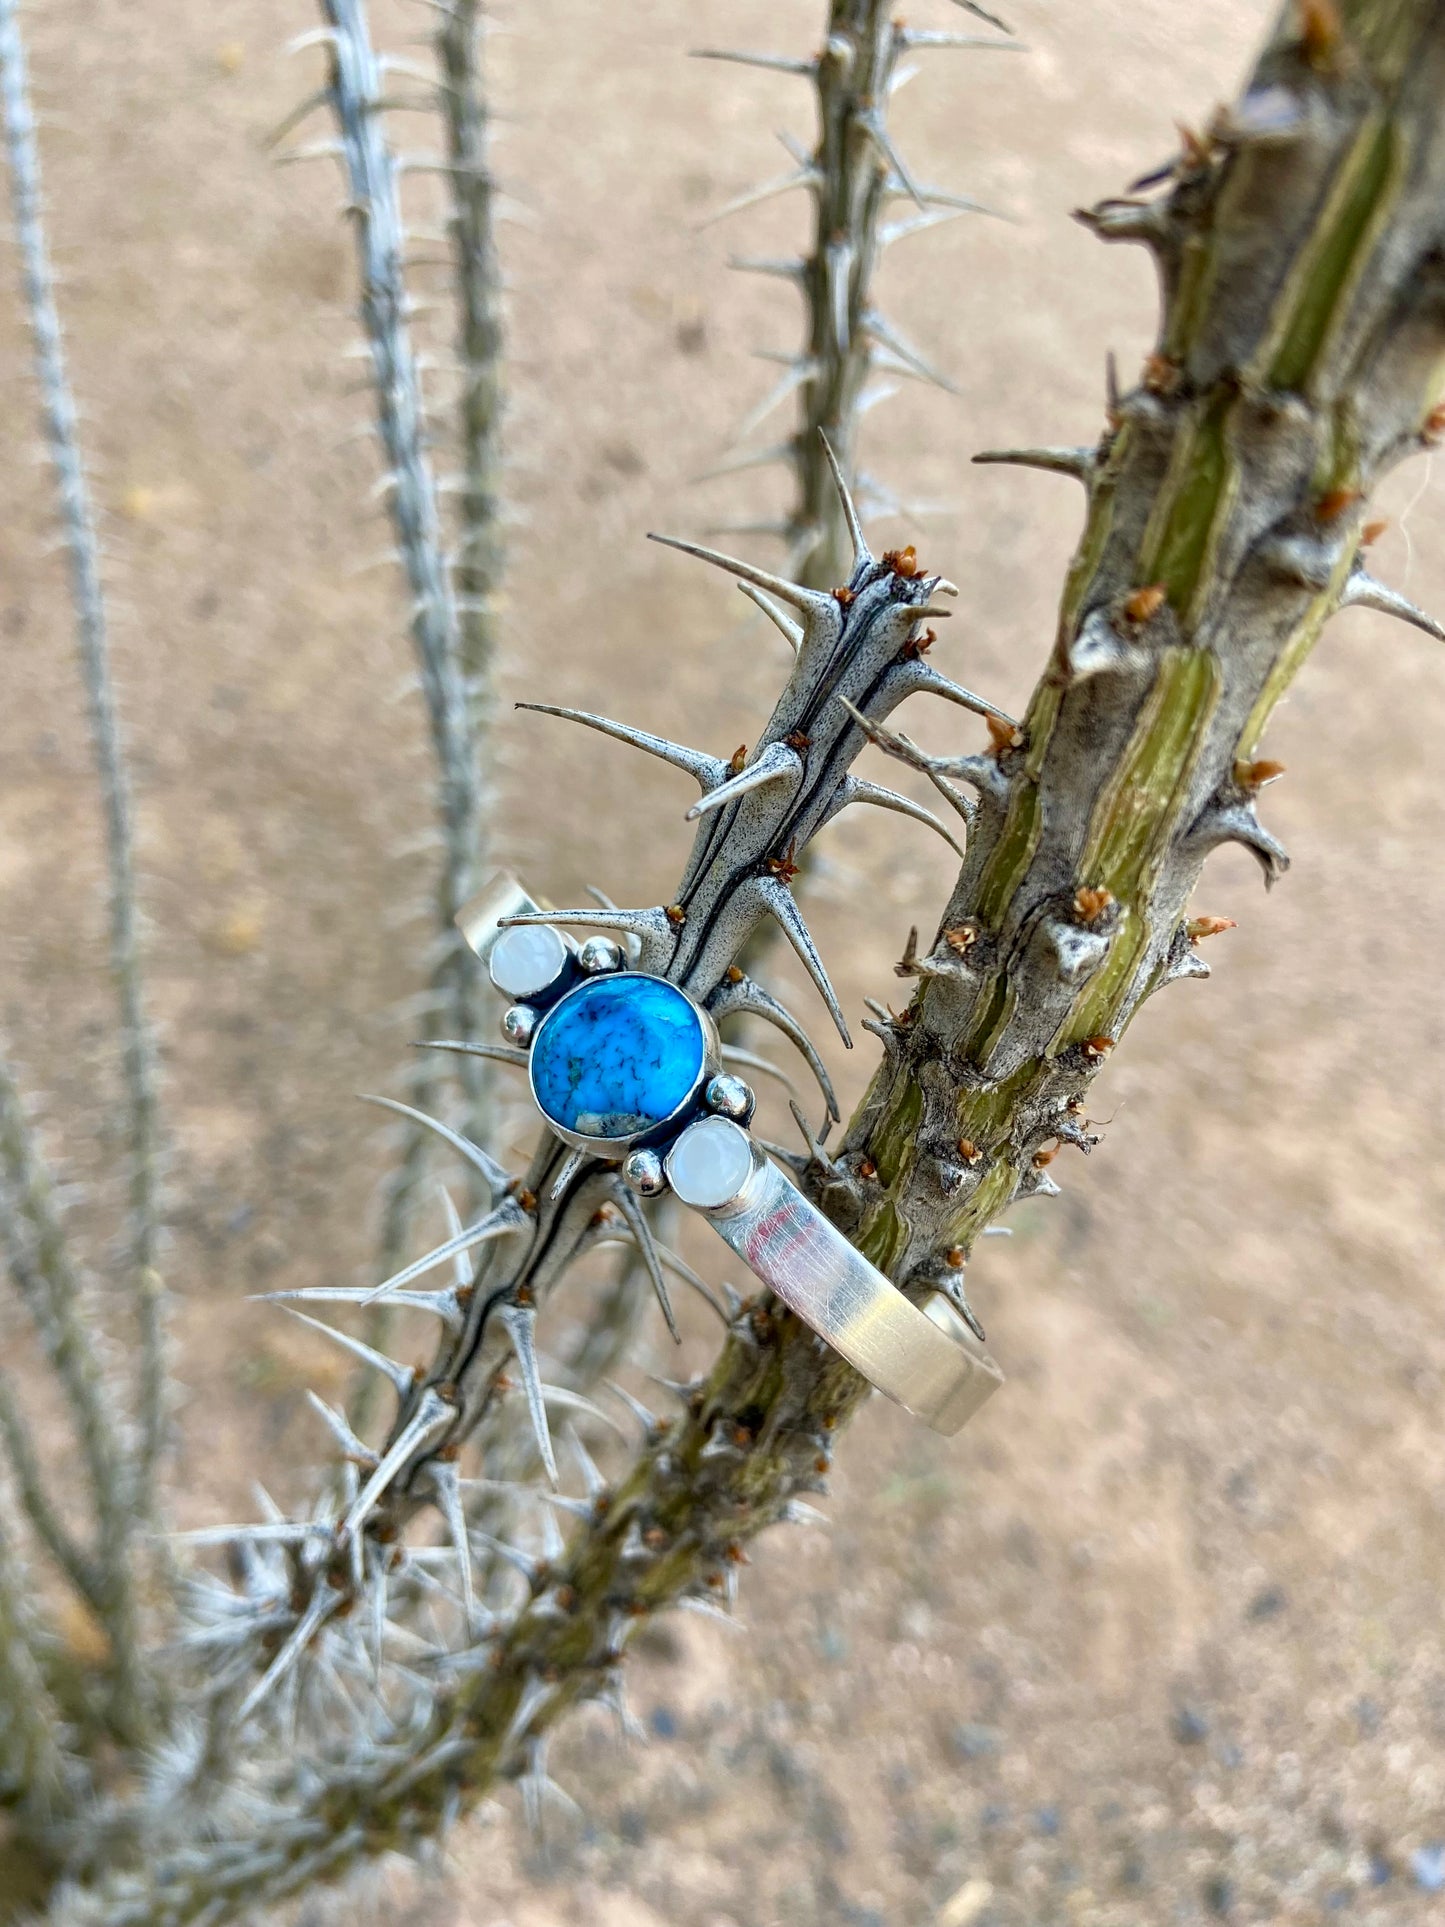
(797, 376)
(861, 552)
(927, 681)
(401, 1376)
(507, 1218)
(495, 1174)
(571, 1165)
(639, 1411)
(748, 998)
(1362, 591)
(777, 63)
(903, 352)
(807, 176)
(777, 764)
(567, 1400)
(324, 1602)
(442, 1303)
(805, 601)
(520, 1324)
(494, 1053)
(914, 38)
(788, 629)
(636, 1218)
(776, 895)
(706, 769)
(1077, 462)
(755, 1061)
(859, 791)
(431, 1417)
(335, 1422)
(446, 1483)
(982, 13)
(873, 125)
(591, 1476)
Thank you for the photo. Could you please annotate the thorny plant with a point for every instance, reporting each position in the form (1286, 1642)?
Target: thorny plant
(365, 1673)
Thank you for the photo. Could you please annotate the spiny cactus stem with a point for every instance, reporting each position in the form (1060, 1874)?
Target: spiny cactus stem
(43, 1271)
(356, 96)
(92, 645)
(478, 280)
(30, 1487)
(33, 1769)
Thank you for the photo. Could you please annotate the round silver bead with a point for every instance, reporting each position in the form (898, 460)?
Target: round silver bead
(599, 955)
(642, 1172)
(519, 1024)
(730, 1097)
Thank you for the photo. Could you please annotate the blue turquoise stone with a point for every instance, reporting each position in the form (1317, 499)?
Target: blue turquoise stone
(617, 1056)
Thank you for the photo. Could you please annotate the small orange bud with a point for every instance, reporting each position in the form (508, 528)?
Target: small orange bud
(1254, 776)
(1330, 507)
(959, 936)
(527, 1199)
(1003, 735)
(1041, 1158)
(799, 740)
(1320, 30)
(1196, 146)
(1434, 426)
(675, 913)
(1144, 603)
(918, 646)
(903, 562)
(867, 1169)
(1161, 375)
(1371, 532)
(844, 598)
(735, 975)
(1098, 1046)
(738, 758)
(955, 1257)
(1090, 904)
(968, 1150)
(1198, 927)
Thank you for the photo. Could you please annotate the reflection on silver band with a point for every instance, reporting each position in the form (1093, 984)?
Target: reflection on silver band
(928, 1361)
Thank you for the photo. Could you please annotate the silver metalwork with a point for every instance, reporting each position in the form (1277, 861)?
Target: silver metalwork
(925, 1359)
(519, 1024)
(481, 917)
(642, 1172)
(729, 1096)
(599, 955)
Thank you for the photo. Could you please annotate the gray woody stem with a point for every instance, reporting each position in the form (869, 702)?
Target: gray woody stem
(451, 643)
(82, 552)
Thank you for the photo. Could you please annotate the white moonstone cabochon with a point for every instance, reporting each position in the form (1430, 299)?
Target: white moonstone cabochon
(527, 959)
(710, 1163)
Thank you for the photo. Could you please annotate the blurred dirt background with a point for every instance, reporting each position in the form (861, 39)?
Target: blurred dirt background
(1158, 1639)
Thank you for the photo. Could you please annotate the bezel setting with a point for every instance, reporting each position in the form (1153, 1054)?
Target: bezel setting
(660, 1130)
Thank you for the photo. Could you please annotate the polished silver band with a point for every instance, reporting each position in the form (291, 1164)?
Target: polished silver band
(927, 1360)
